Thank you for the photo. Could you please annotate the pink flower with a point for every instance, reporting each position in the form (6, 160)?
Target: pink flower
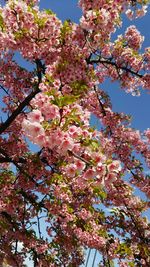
(40, 140)
(35, 116)
(80, 165)
(89, 174)
(50, 111)
(84, 214)
(71, 170)
(141, 12)
(100, 170)
(67, 144)
(33, 129)
(36, 129)
(74, 131)
(130, 14)
(111, 177)
(114, 166)
(98, 158)
(147, 134)
(133, 37)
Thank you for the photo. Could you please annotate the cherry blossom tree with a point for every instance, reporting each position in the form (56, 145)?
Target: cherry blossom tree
(54, 201)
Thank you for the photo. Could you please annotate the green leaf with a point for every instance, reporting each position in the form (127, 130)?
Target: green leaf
(49, 12)
(131, 264)
(66, 29)
(1, 22)
(100, 193)
(64, 100)
(78, 87)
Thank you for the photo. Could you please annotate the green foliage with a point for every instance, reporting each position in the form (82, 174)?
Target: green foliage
(62, 66)
(124, 250)
(109, 263)
(143, 2)
(64, 100)
(66, 29)
(100, 193)
(2, 24)
(71, 119)
(40, 22)
(49, 80)
(93, 144)
(4, 225)
(20, 34)
(49, 12)
(78, 87)
(6, 176)
(131, 264)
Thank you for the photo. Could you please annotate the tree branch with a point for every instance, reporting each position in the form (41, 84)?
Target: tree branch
(40, 69)
(17, 111)
(112, 63)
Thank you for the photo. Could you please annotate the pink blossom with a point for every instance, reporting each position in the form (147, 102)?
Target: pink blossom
(35, 116)
(133, 37)
(147, 134)
(71, 170)
(111, 177)
(67, 144)
(50, 111)
(114, 166)
(80, 165)
(89, 174)
(33, 128)
(141, 12)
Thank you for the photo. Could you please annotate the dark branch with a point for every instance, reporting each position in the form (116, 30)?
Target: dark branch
(112, 63)
(102, 108)
(40, 69)
(16, 112)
